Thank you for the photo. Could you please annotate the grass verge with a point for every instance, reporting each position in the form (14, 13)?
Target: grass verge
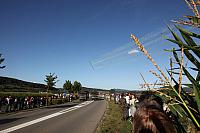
(112, 121)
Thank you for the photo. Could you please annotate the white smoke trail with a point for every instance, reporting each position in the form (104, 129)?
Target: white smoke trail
(113, 54)
(147, 40)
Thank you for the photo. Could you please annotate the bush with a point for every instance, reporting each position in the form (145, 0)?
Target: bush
(23, 94)
(59, 101)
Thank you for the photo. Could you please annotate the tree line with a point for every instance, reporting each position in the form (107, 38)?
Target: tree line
(51, 81)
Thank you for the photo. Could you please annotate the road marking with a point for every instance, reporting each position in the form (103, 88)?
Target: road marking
(44, 118)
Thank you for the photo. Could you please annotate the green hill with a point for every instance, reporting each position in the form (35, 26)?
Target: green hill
(8, 84)
(15, 85)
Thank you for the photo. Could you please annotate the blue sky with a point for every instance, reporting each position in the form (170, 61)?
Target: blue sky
(66, 36)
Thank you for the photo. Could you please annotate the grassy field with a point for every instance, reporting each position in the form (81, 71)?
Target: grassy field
(112, 121)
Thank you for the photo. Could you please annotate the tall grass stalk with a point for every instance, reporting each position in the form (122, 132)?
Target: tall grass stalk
(157, 75)
(188, 3)
(196, 12)
(141, 47)
(167, 96)
(193, 7)
(171, 66)
(181, 71)
(145, 81)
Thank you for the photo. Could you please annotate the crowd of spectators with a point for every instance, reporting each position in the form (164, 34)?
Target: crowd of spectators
(147, 113)
(127, 103)
(10, 104)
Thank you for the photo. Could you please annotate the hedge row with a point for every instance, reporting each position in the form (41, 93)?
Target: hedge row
(23, 94)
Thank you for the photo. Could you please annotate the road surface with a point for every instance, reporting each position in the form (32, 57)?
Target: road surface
(70, 118)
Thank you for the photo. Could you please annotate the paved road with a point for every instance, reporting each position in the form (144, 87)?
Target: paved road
(70, 118)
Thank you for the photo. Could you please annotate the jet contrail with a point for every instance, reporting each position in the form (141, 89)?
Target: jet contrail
(128, 49)
(111, 56)
(91, 65)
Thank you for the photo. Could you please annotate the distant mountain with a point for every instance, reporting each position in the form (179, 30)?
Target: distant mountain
(93, 89)
(15, 85)
(8, 84)
(124, 91)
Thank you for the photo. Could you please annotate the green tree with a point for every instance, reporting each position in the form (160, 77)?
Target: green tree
(51, 81)
(1, 60)
(77, 86)
(112, 91)
(68, 86)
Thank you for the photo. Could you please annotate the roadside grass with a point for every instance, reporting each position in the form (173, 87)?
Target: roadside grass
(112, 121)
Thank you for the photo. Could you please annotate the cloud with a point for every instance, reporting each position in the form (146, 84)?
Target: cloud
(133, 51)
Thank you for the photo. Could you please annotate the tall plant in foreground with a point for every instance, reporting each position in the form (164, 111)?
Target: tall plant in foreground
(193, 20)
(1, 61)
(185, 107)
(192, 52)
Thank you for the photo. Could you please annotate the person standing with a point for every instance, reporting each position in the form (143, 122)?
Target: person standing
(7, 101)
(15, 104)
(133, 100)
(123, 107)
